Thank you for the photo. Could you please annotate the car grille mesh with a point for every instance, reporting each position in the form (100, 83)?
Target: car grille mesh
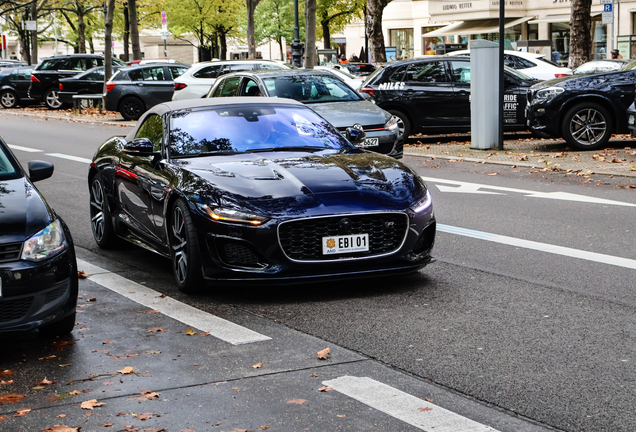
(10, 252)
(54, 295)
(11, 310)
(239, 254)
(302, 239)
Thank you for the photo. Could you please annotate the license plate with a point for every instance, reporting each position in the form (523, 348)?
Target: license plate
(345, 244)
(368, 142)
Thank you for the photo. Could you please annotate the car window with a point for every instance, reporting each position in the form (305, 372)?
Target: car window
(426, 72)
(99, 61)
(21, 74)
(77, 64)
(177, 71)
(50, 64)
(521, 63)
(153, 130)
(270, 66)
(398, 74)
(241, 67)
(8, 167)
(230, 87)
(253, 128)
(251, 88)
(311, 88)
(460, 71)
(97, 75)
(153, 73)
(208, 72)
(217, 90)
(510, 61)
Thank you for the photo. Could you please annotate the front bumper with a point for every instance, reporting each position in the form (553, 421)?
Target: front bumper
(36, 294)
(541, 121)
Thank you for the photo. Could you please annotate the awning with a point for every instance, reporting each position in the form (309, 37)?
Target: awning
(490, 25)
(560, 18)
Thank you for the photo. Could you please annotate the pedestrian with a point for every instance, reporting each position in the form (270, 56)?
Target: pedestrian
(616, 54)
(343, 59)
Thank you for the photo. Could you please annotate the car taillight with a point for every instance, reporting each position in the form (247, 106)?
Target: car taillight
(110, 86)
(560, 75)
(61, 88)
(34, 79)
(367, 90)
(179, 86)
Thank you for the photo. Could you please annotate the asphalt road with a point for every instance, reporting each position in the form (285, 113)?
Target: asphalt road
(529, 310)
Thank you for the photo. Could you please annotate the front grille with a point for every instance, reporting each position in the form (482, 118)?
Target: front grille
(11, 310)
(10, 252)
(239, 254)
(302, 239)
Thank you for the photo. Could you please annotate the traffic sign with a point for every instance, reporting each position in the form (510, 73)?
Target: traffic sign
(608, 7)
(607, 1)
(608, 18)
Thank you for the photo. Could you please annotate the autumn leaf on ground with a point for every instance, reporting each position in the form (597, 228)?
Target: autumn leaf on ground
(3, 418)
(90, 404)
(425, 409)
(493, 174)
(146, 395)
(6, 382)
(61, 415)
(340, 415)
(127, 370)
(187, 430)
(47, 357)
(6, 373)
(236, 430)
(153, 352)
(262, 427)
(75, 392)
(45, 382)
(157, 330)
(93, 299)
(204, 334)
(324, 389)
(21, 412)
(107, 342)
(143, 416)
(11, 398)
(130, 428)
(60, 428)
(150, 312)
(257, 366)
(190, 332)
(297, 401)
(323, 354)
(108, 424)
(82, 274)
(313, 375)
(60, 345)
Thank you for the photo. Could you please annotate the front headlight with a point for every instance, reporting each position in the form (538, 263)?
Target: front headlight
(422, 204)
(630, 121)
(234, 216)
(547, 94)
(392, 124)
(45, 244)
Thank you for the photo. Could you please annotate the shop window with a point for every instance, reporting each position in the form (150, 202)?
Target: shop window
(560, 36)
(428, 43)
(402, 39)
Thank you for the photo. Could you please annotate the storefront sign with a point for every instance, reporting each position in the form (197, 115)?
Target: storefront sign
(454, 10)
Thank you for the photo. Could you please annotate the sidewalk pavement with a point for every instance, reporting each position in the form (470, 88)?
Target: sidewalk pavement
(520, 148)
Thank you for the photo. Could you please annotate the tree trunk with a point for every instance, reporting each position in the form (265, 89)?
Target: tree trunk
(326, 35)
(134, 29)
(580, 33)
(310, 34)
(223, 42)
(251, 42)
(126, 34)
(34, 34)
(81, 30)
(280, 45)
(108, 38)
(373, 28)
(91, 46)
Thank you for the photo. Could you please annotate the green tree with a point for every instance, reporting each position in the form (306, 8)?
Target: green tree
(274, 21)
(334, 15)
(76, 13)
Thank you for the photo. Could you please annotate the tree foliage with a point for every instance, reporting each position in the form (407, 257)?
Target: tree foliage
(333, 15)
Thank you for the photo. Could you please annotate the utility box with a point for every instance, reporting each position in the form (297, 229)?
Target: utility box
(484, 94)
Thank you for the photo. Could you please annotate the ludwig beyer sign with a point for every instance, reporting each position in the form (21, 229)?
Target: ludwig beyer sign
(444, 7)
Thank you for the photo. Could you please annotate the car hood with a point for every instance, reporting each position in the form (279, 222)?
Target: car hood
(346, 114)
(580, 81)
(23, 211)
(294, 183)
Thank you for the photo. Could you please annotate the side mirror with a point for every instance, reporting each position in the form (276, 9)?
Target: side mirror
(140, 147)
(40, 170)
(355, 136)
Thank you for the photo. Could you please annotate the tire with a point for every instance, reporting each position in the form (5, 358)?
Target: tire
(59, 328)
(52, 100)
(101, 221)
(9, 99)
(405, 120)
(587, 126)
(186, 262)
(131, 108)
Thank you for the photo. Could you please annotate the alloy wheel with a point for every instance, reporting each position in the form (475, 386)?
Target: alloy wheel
(53, 100)
(588, 126)
(8, 99)
(179, 245)
(97, 210)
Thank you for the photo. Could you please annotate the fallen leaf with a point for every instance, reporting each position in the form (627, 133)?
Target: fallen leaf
(204, 334)
(59, 345)
(340, 415)
(107, 342)
(262, 427)
(493, 174)
(297, 401)
(11, 398)
(425, 409)
(6, 373)
(157, 330)
(6, 382)
(47, 357)
(108, 424)
(21, 412)
(82, 274)
(93, 299)
(45, 382)
(143, 416)
(2, 418)
(90, 404)
(313, 375)
(187, 430)
(323, 354)
(324, 389)
(153, 352)
(127, 370)
(190, 332)
(75, 392)
(236, 430)
(150, 312)
(257, 366)
(60, 428)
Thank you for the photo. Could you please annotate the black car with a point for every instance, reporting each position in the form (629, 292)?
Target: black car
(14, 86)
(326, 94)
(357, 68)
(134, 89)
(264, 190)
(583, 110)
(46, 75)
(38, 270)
(89, 82)
(432, 94)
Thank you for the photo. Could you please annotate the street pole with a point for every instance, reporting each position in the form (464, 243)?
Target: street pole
(296, 46)
(502, 16)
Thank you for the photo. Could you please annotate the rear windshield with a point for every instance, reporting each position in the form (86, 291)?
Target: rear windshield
(253, 128)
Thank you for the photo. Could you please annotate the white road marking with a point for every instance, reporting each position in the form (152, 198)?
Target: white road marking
(191, 316)
(69, 157)
(542, 247)
(403, 406)
(24, 149)
(465, 187)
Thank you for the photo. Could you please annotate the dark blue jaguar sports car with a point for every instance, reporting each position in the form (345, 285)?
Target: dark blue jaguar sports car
(258, 189)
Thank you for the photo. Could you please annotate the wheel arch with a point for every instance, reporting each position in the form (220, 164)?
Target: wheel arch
(592, 98)
(130, 95)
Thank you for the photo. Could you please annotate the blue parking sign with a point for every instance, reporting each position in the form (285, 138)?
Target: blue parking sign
(607, 7)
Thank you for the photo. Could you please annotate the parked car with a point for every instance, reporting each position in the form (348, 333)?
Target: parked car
(89, 82)
(198, 80)
(134, 89)
(531, 64)
(351, 80)
(38, 269)
(585, 110)
(432, 94)
(142, 62)
(631, 119)
(600, 66)
(46, 75)
(14, 86)
(328, 96)
(258, 190)
(358, 69)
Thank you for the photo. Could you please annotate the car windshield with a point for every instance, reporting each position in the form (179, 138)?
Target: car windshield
(310, 88)
(250, 128)
(517, 73)
(598, 66)
(8, 166)
(629, 66)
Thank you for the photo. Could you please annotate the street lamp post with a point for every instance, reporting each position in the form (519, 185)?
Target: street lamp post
(296, 46)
